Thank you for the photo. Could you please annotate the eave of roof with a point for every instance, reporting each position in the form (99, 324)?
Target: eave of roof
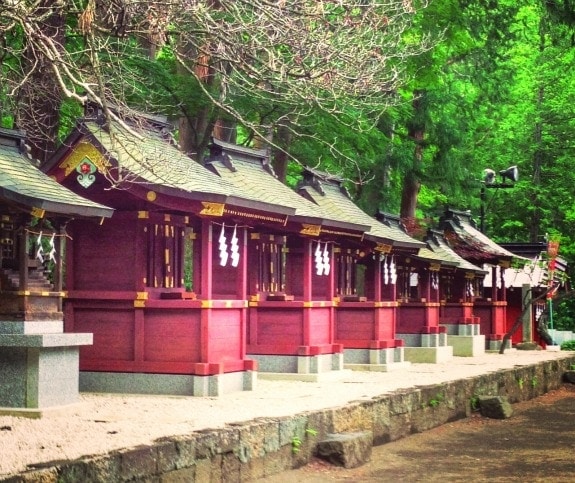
(437, 243)
(24, 184)
(333, 200)
(469, 242)
(250, 175)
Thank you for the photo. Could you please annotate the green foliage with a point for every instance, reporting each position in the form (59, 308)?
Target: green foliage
(568, 345)
(436, 401)
(564, 314)
(520, 382)
(296, 441)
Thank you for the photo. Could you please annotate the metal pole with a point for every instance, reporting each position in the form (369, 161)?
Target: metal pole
(482, 212)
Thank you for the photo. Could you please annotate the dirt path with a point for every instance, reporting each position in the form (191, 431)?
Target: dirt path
(537, 444)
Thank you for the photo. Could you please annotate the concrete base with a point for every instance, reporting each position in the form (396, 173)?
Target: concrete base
(430, 355)
(426, 348)
(292, 376)
(495, 345)
(167, 384)
(291, 364)
(379, 360)
(462, 329)
(38, 366)
(467, 346)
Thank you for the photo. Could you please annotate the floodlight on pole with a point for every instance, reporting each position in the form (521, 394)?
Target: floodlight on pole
(489, 181)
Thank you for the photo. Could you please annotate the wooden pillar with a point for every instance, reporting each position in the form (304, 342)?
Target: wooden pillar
(307, 290)
(307, 269)
(23, 259)
(207, 260)
(494, 284)
(242, 287)
(424, 282)
(206, 289)
(59, 243)
(331, 283)
(242, 275)
(503, 296)
(377, 279)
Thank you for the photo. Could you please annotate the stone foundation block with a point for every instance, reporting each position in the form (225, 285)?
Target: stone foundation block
(496, 407)
(349, 450)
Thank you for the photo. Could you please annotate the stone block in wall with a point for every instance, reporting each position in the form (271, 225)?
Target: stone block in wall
(496, 407)
(349, 450)
(183, 475)
(137, 463)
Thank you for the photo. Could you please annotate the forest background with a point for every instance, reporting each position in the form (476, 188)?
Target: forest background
(409, 101)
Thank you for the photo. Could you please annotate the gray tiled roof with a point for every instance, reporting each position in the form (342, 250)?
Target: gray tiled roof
(149, 156)
(341, 206)
(437, 243)
(25, 184)
(153, 158)
(249, 174)
(469, 242)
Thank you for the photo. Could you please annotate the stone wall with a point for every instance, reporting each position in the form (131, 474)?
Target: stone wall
(262, 447)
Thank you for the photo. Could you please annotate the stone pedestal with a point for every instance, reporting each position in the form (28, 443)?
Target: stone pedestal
(39, 367)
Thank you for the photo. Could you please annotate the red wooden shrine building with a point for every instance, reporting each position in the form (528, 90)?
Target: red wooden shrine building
(472, 245)
(205, 275)
(370, 320)
(164, 286)
(38, 362)
(459, 285)
(298, 270)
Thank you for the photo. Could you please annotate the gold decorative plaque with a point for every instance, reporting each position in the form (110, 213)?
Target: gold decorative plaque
(212, 209)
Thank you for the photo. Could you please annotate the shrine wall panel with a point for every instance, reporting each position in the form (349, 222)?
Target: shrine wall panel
(278, 326)
(226, 335)
(320, 287)
(104, 256)
(354, 324)
(485, 313)
(294, 275)
(411, 320)
(113, 332)
(320, 326)
(224, 281)
(172, 335)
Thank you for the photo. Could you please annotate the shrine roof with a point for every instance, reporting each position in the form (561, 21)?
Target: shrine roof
(250, 170)
(468, 242)
(22, 183)
(328, 192)
(151, 155)
(437, 244)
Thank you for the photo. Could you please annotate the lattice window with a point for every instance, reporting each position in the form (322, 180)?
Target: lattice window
(346, 272)
(165, 256)
(271, 263)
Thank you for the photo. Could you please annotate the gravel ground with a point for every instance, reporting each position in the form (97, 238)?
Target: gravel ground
(101, 423)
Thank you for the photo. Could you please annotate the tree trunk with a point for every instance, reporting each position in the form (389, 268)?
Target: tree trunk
(280, 158)
(411, 182)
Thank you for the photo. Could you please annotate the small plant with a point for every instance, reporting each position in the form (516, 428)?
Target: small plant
(296, 441)
(534, 382)
(520, 381)
(568, 345)
(434, 402)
